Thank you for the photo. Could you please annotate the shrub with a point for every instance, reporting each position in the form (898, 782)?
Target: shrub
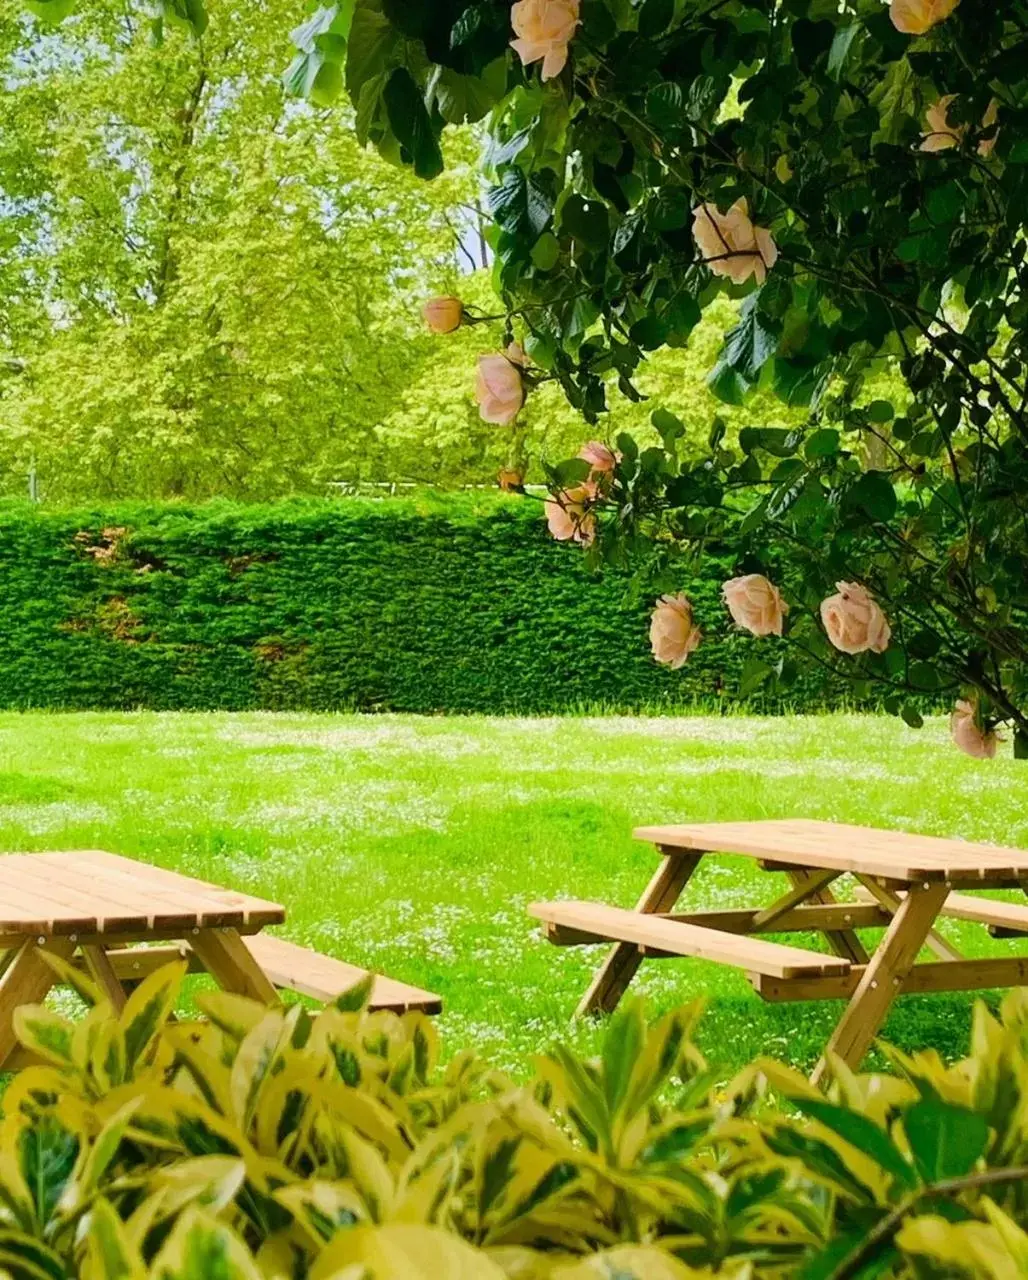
(421, 605)
(276, 1143)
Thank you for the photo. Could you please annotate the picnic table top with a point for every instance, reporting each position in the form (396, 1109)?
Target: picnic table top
(893, 855)
(92, 892)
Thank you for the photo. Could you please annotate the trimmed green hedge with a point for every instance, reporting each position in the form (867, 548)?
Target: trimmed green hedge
(419, 605)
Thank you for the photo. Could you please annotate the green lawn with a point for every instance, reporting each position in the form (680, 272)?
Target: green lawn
(413, 845)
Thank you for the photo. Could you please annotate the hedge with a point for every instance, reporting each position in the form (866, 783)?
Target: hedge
(418, 605)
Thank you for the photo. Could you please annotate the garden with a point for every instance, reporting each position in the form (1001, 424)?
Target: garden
(513, 640)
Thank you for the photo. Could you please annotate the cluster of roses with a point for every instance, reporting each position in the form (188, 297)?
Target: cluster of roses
(731, 245)
(853, 621)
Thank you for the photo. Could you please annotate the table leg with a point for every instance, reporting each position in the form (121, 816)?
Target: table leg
(227, 959)
(98, 962)
(883, 977)
(27, 980)
(935, 942)
(844, 942)
(618, 970)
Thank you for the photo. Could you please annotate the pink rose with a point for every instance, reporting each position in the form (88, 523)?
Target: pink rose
(499, 390)
(755, 604)
(673, 634)
(443, 315)
(942, 135)
(969, 736)
(601, 459)
(915, 17)
(544, 29)
(569, 515)
(516, 354)
(854, 621)
(731, 245)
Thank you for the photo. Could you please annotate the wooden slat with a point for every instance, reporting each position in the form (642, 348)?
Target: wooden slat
(612, 978)
(883, 977)
(1011, 916)
(102, 972)
(93, 892)
(799, 893)
(133, 964)
(229, 961)
(802, 919)
(323, 978)
(649, 931)
(181, 899)
(844, 942)
(894, 855)
(935, 942)
(994, 972)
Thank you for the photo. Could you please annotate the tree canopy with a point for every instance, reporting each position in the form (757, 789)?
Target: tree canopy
(854, 176)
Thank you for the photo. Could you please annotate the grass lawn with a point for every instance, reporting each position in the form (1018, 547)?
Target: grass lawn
(413, 845)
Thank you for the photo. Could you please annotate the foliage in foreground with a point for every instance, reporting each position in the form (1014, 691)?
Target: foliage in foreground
(273, 1143)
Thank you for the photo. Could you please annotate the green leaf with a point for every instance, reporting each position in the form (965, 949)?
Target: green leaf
(840, 49)
(372, 48)
(1020, 745)
(754, 672)
(880, 411)
(861, 1133)
(52, 11)
(946, 1140)
(874, 495)
(546, 251)
(746, 350)
(822, 443)
(519, 205)
(410, 122)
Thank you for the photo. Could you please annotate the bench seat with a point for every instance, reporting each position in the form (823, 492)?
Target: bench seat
(323, 977)
(287, 965)
(1008, 917)
(593, 922)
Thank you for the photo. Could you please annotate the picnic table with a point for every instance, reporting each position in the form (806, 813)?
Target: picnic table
(120, 920)
(905, 885)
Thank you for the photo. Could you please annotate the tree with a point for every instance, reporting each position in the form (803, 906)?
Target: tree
(196, 271)
(856, 174)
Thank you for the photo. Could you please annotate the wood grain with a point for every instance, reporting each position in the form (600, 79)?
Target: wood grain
(754, 955)
(895, 855)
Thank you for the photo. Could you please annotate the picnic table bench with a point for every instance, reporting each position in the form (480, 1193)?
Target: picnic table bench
(905, 885)
(120, 920)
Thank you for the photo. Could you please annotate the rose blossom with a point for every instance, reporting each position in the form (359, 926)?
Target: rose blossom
(544, 29)
(443, 315)
(755, 604)
(516, 354)
(673, 634)
(854, 621)
(601, 459)
(569, 517)
(915, 17)
(499, 390)
(941, 135)
(731, 245)
(968, 735)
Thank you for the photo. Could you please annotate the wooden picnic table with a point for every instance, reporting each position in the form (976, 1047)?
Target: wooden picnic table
(121, 919)
(905, 884)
